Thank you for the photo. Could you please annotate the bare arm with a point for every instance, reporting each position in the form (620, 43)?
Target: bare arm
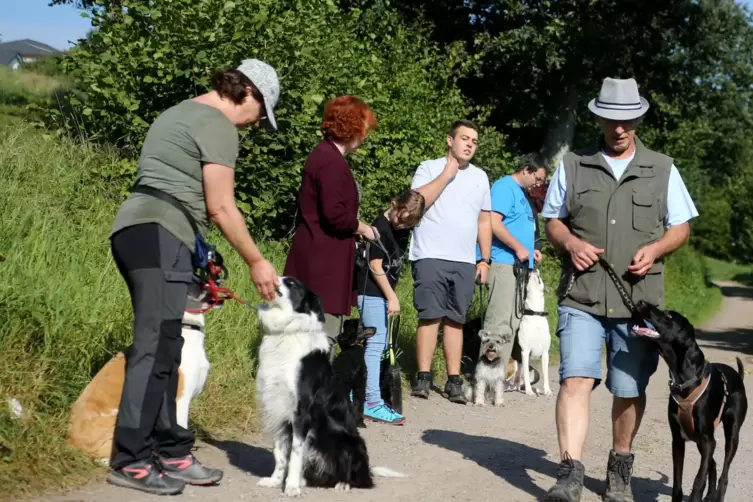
(431, 190)
(377, 273)
(220, 200)
(500, 232)
(582, 254)
(674, 238)
(485, 233)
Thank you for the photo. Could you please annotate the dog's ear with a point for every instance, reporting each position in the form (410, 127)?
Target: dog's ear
(312, 302)
(369, 332)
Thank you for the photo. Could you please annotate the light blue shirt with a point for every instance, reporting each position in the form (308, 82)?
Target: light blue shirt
(680, 206)
(509, 200)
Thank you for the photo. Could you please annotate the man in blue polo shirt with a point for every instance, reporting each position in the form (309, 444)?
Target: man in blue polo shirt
(514, 231)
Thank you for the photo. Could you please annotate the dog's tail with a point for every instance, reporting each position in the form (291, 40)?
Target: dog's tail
(740, 368)
(386, 472)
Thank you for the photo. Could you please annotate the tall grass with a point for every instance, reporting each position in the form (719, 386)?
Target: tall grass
(23, 87)
(64, 309)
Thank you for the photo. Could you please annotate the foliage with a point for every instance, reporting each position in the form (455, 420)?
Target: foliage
(135, 65)
(24, 87)
(537, 61)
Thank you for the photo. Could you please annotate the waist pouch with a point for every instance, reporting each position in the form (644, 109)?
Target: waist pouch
(203, 251)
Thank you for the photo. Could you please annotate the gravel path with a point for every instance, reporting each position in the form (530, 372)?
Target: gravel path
(509, 454)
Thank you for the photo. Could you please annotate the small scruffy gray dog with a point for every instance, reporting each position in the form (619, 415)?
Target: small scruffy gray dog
(488, 382)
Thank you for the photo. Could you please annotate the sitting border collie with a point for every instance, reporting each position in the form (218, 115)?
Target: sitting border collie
(306, 410)
(350, 365)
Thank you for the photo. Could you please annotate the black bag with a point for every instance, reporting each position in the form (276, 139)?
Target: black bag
(391, 381)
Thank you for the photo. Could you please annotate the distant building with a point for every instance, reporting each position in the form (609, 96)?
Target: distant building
(18, 52)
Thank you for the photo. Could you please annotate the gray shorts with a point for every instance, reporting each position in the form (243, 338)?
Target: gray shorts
(443, 289)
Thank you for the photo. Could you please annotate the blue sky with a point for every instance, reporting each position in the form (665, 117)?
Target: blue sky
(58, 26)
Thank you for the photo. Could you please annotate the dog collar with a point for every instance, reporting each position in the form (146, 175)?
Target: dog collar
(533, 312)
(677, 388)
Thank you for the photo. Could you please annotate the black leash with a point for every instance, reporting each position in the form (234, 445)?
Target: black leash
(522, 273)
(615, 279)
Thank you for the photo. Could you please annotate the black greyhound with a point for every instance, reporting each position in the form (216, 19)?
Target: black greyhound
(703, 395)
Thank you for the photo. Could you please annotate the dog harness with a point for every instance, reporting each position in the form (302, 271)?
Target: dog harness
(686, 405)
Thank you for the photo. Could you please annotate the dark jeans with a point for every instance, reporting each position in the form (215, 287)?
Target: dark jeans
(157, 269)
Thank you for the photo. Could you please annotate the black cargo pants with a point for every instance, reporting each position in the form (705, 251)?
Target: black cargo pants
(157, 269)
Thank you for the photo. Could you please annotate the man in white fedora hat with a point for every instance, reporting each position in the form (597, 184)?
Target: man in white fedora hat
(620, 201)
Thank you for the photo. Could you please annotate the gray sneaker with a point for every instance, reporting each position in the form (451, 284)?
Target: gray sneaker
(146, 477)
(190, 470)
(619, 471)
(423, 385)
(569, 486)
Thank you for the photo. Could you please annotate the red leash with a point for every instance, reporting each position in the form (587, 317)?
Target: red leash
(216, 294)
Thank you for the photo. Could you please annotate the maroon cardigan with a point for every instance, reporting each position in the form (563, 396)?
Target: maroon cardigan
(322, 253)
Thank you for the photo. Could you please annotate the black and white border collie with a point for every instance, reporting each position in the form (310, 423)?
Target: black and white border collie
(305, 409)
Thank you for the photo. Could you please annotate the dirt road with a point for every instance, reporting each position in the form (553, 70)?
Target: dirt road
(508, 454)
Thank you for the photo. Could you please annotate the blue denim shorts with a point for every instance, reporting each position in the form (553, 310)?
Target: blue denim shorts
(631, 360)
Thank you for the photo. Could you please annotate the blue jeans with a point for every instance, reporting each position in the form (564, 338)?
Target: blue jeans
(631, 360)
(373, 311)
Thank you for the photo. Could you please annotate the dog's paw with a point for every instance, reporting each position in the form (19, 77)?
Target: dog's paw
(530, 392)
(269, 482)
(479, 403)
(547, 392)
(293, 491)
(342, 487)
(499, 403)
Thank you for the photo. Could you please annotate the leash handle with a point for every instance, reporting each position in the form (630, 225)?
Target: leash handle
(393, 330)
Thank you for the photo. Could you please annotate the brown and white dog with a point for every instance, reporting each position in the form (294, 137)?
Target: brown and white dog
(92, 419)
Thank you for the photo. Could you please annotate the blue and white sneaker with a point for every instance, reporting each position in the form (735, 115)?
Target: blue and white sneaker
(382, 413)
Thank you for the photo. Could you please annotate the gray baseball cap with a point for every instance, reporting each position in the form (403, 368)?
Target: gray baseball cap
(265, 79)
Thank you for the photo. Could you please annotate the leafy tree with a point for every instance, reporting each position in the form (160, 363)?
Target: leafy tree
(540, 62)
(136, 64)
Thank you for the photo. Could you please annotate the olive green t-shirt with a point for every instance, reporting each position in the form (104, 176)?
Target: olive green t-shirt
(179, 141)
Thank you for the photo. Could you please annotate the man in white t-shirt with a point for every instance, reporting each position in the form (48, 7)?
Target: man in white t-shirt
(443, 252)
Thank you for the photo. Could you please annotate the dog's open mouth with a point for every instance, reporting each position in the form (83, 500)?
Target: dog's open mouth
(647, 330)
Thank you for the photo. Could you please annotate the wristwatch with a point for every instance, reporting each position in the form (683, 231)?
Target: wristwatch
(488, 261)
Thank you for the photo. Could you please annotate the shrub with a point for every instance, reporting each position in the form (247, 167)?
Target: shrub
(135, 65)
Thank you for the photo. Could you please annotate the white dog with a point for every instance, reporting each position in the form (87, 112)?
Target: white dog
(91, 423)
(533, 334)
(305, 408)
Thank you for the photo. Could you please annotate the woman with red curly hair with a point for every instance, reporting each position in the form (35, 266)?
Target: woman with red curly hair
(323, 251)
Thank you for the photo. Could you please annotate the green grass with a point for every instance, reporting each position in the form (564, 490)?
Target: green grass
(726, 271)
(64, 309)
(24, 87)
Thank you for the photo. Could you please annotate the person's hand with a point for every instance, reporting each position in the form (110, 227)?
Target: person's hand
(583, 254)
(482, 272)
(371, 234)
(537, 257)
(265, 279)
(643, 260)
(393, 306)
(452, 166)
(523, 254)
